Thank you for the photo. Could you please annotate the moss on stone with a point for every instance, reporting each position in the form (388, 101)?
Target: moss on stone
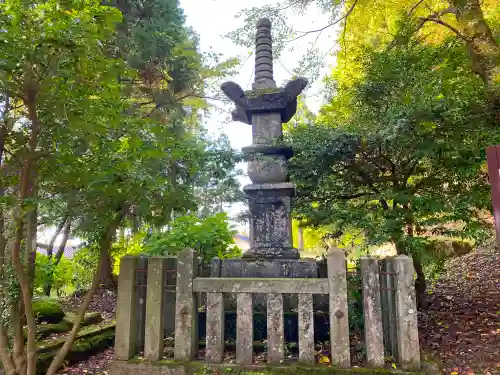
(83, 347)
(48, 310)
(259, 92)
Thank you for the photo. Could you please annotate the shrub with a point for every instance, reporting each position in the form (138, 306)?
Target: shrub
(210, 237)
(61, 275)
(85, 262)
(48, 310)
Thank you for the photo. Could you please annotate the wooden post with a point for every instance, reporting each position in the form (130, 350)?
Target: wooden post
(493, 159)
(186, 332)
(339, 321)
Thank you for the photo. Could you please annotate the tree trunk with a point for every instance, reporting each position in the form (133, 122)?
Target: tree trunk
(483, 48)
(19, 216)
(58, 256)
(106, 280)
(50, 252)
(420, 284)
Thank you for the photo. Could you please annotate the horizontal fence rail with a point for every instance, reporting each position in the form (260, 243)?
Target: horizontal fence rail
(388, 297)
(249, 285)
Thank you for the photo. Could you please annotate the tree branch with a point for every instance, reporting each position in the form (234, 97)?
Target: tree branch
(441, 22)
(304, 33)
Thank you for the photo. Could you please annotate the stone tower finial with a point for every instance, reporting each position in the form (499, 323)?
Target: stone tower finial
(263, 56)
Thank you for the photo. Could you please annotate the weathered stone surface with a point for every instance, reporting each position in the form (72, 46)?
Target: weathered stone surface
(267, 268)
(186, 334)
(267, 169)
(263, 56)
(339, 321)
(153, 342)
(266, 128)
(406, 314)
(125, 310)
(306, 329)
(215, 328)
(265, 149)
(275, 328)
(372, 310)
(260, 285)
(244, 329)
(270, 221)
(197, 368)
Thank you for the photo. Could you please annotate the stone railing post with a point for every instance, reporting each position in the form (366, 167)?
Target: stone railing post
(372, 311)
(186, 331)
(154, 332)
(408, 354)
(125, 310)
(339, 321)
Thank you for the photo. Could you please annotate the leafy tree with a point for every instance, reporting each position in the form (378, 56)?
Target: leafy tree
(400, 153)
(217, 178)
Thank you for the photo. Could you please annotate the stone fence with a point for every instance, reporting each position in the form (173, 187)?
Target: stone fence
(390, 316)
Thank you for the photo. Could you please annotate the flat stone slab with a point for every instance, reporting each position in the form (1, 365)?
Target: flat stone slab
(200, 368)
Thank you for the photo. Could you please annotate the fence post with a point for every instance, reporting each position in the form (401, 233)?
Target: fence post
(275, 328)
(406, 314)
(244, 329)
(186, 332)
(154, 333)
(372, 311)
(339, 322)
(125, 310)
(306, 329)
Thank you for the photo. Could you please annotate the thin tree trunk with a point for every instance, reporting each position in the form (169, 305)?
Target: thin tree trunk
(64, 242)
(24, 184)
(66, 223)
(105, 245)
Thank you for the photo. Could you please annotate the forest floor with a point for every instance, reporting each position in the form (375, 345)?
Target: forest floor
(460, 330)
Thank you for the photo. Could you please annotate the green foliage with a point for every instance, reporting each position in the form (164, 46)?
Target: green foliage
(355, 298)
(133, 245)
(210, 237)
(48, 310)
(60, 275)
(388, 155)
(85, 260)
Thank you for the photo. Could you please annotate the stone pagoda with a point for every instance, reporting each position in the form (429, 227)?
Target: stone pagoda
(266, 107)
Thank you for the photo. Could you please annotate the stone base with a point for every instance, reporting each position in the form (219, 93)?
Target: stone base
(289, 367)
(269, 253)
(267, 268)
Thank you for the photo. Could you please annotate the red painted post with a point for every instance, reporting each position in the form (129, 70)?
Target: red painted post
(493, 158)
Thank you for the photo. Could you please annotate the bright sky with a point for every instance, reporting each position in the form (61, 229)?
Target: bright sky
(212, 19)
